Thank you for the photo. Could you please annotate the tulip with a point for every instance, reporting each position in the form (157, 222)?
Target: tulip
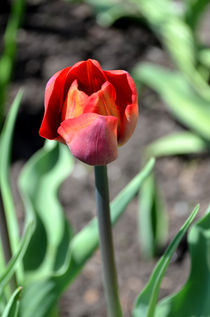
(91, 110)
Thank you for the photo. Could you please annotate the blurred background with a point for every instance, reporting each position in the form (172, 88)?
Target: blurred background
(54, 34)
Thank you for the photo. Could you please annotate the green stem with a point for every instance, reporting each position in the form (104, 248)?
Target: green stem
(106, 243)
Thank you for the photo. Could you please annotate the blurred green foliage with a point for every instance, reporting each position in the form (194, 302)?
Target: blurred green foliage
(145, 305)
(9, 50)
(12, 308)
(184, 89)
(49, 256)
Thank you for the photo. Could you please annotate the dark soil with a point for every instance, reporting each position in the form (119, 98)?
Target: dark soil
(56, 34)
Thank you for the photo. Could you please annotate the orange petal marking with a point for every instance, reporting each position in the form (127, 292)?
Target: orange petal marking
(75, 102)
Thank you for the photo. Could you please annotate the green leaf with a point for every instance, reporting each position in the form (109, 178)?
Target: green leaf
(6, 276)
(45, 292)
(9, 50)
(147, 300)
(178, 143)
(39, 183)
(178, 34)
(109, 11)
(5, 187)
(204, 57)
(110, 15)
(193, 298)
(12, 307)
(156, 12)
(152, 219)
(86, 241)
(185, 104)
(177, 37)
(2, 259)
(194, 10)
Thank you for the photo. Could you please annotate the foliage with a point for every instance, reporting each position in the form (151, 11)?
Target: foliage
(185, 90)
(192, 299)
(146, 302)
(109, 11)
(49, 256)
(12, 308)
(9, 51)
(189, 301)
(152, 219)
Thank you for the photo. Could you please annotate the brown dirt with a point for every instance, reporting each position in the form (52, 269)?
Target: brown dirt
(56, 34)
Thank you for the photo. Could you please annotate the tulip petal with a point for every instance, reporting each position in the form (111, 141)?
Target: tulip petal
(124, 86)
(129, 122)
(89, 74)
(126, 100)
(91, 138)
(75, 102)
(103, 102)
(53, 101)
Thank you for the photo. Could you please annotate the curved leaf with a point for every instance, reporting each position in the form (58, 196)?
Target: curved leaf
(177, 37)
(109, 11)
(12, 307)
(6, 276)
(147, 300)
(187, 106)
(39, 183)
(177, 144)
(193, 11)
(193, 298)
(5, 187)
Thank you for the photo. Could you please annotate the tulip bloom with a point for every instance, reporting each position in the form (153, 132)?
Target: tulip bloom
(91, 110)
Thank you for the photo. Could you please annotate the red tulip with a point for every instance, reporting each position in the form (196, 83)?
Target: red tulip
(91, 110)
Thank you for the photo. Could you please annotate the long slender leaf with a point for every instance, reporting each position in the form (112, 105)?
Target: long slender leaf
(152, 219)
(9, 52)
(12, 307)
(187, 106)
(5, 277)
(177, 144)
(193, 298)
(147, 300)
(5, 188)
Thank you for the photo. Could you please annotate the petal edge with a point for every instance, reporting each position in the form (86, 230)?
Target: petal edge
(91, 138)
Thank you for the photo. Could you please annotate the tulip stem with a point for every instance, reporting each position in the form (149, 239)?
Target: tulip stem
(106, 243)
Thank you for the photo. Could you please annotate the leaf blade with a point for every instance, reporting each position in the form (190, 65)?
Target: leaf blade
(146, 301)
(5, 187)
(187, 106)
(177, 144)
(189, 301)
(12, 308)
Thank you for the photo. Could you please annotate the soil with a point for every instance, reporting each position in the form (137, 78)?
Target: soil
(56, 34)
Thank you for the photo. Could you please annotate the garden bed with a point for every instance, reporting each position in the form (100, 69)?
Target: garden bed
(56, 34)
